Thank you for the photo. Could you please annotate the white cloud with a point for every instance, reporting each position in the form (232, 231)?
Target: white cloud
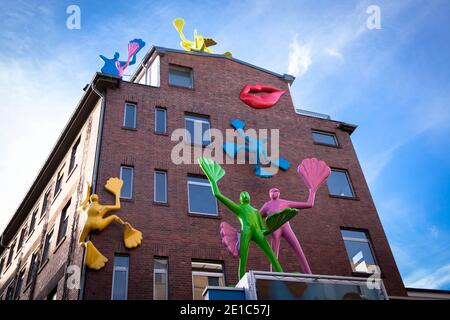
(299, 57)
(430, 280)
(333, 52)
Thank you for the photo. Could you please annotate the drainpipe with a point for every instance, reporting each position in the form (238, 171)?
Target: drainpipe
(94, 180)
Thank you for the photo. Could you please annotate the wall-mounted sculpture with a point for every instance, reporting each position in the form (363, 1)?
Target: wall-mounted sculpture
(253, 227)
(314, 172)
(260, 95)
(97, 222)
(256, 146)
(117, 68)
(200, 43)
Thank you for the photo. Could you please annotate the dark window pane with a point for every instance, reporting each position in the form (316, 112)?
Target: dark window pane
(160, 187)
(201, 198)
(197, 128)
(213, 281)
(129, 120)
(126, 174)
(338, 184)
(11, 253)
(19, 285)
(32, 221)
(2, 264)
(180, 76)
(120, 278)
(63, 223)
(58, 183)
(45, 203)
(32, 268)
(324, 138)
(160, 121)
(48, 240)
(73, 156)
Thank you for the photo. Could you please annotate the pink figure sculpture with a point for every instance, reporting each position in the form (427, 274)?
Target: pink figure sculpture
(133, 48)
(314, 172)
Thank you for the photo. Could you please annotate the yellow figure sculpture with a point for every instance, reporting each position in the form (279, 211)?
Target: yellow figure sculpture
(97, 222)
(200, 43)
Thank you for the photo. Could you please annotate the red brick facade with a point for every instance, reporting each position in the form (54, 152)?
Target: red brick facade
(169, 231)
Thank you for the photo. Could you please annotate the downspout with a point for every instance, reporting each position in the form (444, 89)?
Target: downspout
(94, 180)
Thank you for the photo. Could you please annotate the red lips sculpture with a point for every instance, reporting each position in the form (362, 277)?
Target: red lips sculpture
(260, 95)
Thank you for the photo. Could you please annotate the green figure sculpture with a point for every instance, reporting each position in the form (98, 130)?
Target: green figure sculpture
(253, 227)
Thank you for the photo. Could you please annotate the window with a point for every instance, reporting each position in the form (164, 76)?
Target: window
(63, 222)
(160, 279)
(11, 253)
(339, 183)
(160, 186)
(32, 221)
(160, 121)
(180, 76)
(197, 130)
(19, 284)
(10, 291)
(200, 197)
(45, 203)
(59, 180)
(33, 266)
(324, 138)
(359, 250)
(21, 238)
(52, 295)
(46, 249)
(129, 117)
(126, 174)
(120, 278)
(205, 274)
(2, 265)
(73, 156)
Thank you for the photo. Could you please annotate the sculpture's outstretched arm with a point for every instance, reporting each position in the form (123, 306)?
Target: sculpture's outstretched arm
(214, 173)
(303, 205)
(104, 58)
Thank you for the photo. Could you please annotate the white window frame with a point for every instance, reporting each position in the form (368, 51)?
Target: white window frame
(165, 272)
(204, 184)
(336, 144)
(201, 120)
(165, 119)
(132, 180)
(154, 186)
(121, 268)
(125, 115)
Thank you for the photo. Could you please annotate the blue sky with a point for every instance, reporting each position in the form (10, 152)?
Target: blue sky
(393, 82)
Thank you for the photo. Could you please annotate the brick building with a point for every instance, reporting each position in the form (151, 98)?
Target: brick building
(123, 129)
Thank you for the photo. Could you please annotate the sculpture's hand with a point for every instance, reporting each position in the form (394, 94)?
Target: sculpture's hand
(212, 170)
(114, 185)
(313, 172)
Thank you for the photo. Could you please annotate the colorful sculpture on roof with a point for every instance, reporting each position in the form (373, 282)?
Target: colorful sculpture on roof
(313, 172)
(260, 95)
(200, 43)
(256, 146)
(97, 222)
(253, 227)
(117, 68)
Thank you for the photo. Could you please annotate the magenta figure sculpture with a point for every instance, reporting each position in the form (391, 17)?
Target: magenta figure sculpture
(314, 172)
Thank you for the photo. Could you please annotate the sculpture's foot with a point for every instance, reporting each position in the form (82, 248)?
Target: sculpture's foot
(131, 237)
(94, 259)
